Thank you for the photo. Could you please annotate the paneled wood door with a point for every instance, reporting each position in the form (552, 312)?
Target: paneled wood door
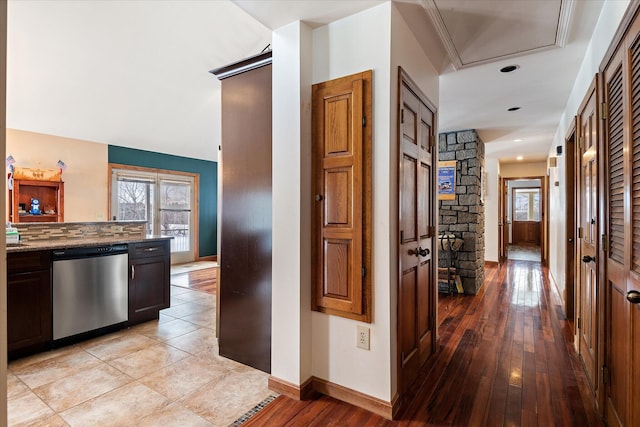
(340, 231)
(570, 203)
(588, 320)
(417, 297)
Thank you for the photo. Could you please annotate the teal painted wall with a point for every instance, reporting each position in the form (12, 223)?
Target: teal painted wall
(208, 171)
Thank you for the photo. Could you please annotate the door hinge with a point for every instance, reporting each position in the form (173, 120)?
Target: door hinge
(580, 232)
(605, 374)
(432, 140)
(401, 236)
(364, 121)
(580, 142)
(605, 243)
(401, 115)
(578, 322)
(604, 110)
(364, 271)
(432, 231)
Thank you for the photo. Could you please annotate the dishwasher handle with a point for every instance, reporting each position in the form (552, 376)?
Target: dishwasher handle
(133, 271)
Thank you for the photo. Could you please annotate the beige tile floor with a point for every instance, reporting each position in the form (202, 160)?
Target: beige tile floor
(160, 373)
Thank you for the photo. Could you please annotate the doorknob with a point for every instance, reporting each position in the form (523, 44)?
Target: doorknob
(633, 297)
(421, 252)
(588, 258)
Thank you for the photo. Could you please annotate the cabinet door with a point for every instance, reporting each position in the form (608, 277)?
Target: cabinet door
(148, 288)
(28, 311)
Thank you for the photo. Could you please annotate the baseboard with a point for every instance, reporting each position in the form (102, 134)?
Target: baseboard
(301, 392)
(361, 400)
(208, 258)
(491, 264)
(310, 388)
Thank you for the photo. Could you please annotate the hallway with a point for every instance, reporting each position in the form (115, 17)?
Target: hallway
(504, 359)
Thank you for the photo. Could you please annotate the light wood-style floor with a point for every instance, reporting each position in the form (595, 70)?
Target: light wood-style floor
(505, 359)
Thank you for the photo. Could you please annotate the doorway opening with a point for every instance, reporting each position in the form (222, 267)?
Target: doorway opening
(525, 212)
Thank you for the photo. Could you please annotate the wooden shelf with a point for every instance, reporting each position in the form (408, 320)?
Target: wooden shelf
(50, 194)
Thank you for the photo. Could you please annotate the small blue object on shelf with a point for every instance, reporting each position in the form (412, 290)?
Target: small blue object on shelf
(35, 207)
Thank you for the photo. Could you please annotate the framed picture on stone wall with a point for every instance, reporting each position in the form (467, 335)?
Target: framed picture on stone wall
(447, 180)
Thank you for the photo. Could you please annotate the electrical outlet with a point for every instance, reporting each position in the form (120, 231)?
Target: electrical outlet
(363, 337)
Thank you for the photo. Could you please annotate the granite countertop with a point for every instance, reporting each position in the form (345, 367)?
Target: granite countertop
(43, 245)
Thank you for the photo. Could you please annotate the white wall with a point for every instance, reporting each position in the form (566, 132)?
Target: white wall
(612, 13)
(347, 46)
(309, 343)
(491, 214)
(291, 156)
(127, 73)
(85, 179)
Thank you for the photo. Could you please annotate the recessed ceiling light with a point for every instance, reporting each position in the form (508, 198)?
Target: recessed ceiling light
(517, 140)
(509, 68)
(513, 109)
(519, 158)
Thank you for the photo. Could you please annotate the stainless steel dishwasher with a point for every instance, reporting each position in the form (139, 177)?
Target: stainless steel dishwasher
(90, 289)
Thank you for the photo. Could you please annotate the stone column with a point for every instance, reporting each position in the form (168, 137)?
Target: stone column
(464, 216)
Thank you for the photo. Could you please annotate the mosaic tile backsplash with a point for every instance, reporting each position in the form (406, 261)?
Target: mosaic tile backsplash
(35, 232)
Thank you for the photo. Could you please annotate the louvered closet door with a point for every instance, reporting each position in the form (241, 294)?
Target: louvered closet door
(621, 79)
(632, 326)
(615, 283)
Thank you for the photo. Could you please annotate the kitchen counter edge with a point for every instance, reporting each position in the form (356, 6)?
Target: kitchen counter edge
(45, 245)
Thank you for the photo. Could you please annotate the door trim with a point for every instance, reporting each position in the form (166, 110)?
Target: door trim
(544, 221)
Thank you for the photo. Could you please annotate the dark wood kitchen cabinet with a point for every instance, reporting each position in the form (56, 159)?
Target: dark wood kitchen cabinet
(244, 329)
(149, 275)
(29, 327)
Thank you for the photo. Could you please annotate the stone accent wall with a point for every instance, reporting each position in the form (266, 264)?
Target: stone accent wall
(45, 231)
(464, 216)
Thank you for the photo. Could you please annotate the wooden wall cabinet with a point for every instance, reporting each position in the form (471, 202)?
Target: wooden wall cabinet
(29, 327)
(149, 277)
(49, 193)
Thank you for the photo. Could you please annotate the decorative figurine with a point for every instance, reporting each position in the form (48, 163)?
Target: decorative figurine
(35, 207)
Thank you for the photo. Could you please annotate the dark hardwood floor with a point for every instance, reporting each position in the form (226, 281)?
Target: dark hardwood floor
(505, 359)
(200, 280)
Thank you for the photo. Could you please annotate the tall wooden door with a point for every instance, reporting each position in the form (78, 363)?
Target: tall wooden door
(615, 282)
(621, 93)
(502, 222)
(588, 329)
(417, 296)
(570, 218)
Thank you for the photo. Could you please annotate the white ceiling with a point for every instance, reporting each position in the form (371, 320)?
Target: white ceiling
(135, 73)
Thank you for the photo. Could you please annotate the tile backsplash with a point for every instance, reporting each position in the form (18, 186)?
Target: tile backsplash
(32, 232)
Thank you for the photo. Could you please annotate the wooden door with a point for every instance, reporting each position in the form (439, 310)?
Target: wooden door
(340, 234)
(570, 237)
(588, 223)
(417, 284)
(615, 281)
(502, 223)
(621, 92)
